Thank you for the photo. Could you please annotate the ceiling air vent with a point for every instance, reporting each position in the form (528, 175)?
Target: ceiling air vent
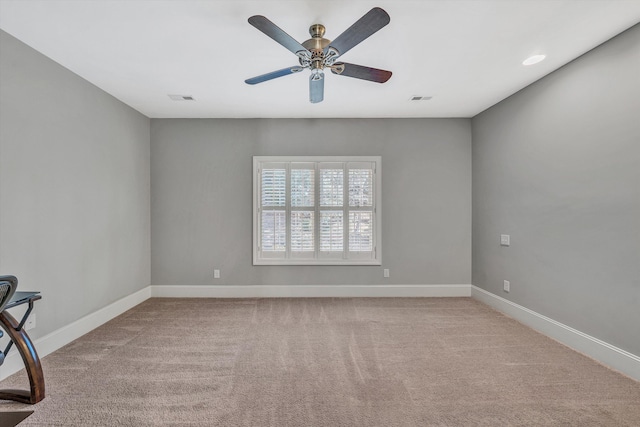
(420, 98)
(181, 97)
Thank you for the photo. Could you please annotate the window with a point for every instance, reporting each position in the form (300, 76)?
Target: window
(316, 210)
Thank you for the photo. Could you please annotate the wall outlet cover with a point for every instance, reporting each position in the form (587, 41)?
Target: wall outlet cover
(31, 322)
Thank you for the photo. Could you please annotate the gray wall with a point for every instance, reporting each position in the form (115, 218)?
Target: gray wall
(557, 166)
(74, 188)
(201, 198)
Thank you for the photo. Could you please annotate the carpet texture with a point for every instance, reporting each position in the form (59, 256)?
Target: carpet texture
(324, 362)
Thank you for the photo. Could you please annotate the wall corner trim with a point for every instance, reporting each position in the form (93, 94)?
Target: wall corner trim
(605, 353)
(310, 291)
(63, 336)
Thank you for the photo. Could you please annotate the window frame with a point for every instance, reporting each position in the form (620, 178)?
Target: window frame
(346, 257)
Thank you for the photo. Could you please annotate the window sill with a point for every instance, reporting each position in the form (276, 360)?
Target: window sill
(307, 262)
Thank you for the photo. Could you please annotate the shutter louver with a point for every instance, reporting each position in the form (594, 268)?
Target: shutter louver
(302, 231)
(274, 231)
(274, 187)
(360, 187)
(331, 231)
(360, 231)
(302, 188)
(331, 187)
(274, 222)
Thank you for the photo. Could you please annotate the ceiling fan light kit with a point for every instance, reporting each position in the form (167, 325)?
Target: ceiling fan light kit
(318, 53)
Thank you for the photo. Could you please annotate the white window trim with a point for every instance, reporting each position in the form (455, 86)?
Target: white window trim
(319, 260)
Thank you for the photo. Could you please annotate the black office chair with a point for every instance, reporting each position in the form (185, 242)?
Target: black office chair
(8, 285)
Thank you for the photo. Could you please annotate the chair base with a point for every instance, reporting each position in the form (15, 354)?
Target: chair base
(31, 362)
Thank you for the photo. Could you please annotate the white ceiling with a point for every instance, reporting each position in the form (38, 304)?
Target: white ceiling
(467, 55)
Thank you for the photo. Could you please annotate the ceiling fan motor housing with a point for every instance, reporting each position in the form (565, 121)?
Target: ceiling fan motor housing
(316, 45)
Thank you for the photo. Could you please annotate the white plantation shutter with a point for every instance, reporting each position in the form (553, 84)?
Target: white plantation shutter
(317, 210)
(331, 231)
(302, 231)
(360, 231)
(302, 190)
(361, 213)
(332, 244)
(331, 187)
(274, 231)
(274, 187)
(273, 202)
(360, 187)
(302, 187)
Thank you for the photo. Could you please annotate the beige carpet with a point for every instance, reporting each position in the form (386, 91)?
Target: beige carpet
(324, 362)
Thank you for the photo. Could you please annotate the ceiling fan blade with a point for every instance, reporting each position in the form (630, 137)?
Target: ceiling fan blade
(273, 75)
(361, 72)
(364, 27)
(316, 88)
(273, 31)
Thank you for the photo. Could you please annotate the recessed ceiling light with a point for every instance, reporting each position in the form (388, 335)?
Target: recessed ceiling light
(533, 59)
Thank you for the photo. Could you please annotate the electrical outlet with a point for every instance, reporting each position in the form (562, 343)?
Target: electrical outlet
(385, 272)
(507, 286)
(216, 274)
(505, 240)
(31, 322)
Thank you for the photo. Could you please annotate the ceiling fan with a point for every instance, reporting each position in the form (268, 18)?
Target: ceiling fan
(318, 53)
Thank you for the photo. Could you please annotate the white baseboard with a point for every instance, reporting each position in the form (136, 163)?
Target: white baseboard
(311, 291)
(618, 359)
(63, 336)
(605, 353)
